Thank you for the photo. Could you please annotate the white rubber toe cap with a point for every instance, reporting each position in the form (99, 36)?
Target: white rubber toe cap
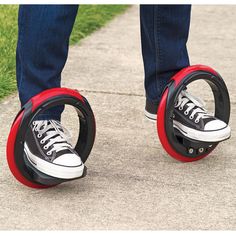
(215, 125)
(70, 160)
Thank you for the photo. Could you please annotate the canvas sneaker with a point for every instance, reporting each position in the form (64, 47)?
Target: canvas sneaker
(192, 120)
(48, 149)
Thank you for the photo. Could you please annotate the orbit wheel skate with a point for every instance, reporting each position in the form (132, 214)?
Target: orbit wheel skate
(19, 164)
(174, 142)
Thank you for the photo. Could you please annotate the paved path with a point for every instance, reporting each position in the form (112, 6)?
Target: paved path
(132, 183)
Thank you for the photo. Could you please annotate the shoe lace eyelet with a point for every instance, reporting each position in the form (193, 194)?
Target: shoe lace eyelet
(42, 141)
(181, 108)
(39, 135)
(45, 147)
(186, 113)
(49, 153)
(191, 117)
(196, 121)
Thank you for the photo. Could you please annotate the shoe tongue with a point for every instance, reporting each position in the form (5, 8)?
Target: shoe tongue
(59, 132)
(192, 99)
(197, 104)
(43, 124)
(52, 126)
(191, 102)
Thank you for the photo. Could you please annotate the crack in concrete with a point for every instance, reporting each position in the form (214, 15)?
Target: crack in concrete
(111, 92)
(130, 94)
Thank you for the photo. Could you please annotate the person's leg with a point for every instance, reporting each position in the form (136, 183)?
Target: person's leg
(42, 49)
(164, 34)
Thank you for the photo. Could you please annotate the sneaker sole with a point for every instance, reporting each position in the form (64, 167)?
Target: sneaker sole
(57, 171)
(151, 117)
(203, 136)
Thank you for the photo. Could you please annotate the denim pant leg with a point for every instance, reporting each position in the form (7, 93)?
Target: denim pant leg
(164, 34)
(42, 49)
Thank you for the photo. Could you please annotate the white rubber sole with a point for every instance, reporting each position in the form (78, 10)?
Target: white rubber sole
(53, 170)
(204, 136)
(151, 117)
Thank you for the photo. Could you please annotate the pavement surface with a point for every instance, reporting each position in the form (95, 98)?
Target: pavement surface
(132, 183)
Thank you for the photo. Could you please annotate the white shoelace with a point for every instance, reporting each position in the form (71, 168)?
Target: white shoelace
(191, 101)
(58, 136)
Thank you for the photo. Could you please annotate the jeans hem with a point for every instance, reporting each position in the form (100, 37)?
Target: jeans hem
(49, 117)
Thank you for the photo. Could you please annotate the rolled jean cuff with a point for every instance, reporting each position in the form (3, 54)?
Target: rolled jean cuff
(48, 117)
(53, 113)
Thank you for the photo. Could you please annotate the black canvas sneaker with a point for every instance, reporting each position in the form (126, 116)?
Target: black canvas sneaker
(48, 149)
(193, 121)
(151, 110)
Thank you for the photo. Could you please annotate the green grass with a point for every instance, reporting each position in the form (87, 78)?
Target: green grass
(8, 37)
(89, 19)
(93, 17)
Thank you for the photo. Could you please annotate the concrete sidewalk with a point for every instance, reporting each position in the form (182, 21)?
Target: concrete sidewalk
(132, 183)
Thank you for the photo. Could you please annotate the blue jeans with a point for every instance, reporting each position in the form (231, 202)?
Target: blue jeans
(43, 40)
(164, 34)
